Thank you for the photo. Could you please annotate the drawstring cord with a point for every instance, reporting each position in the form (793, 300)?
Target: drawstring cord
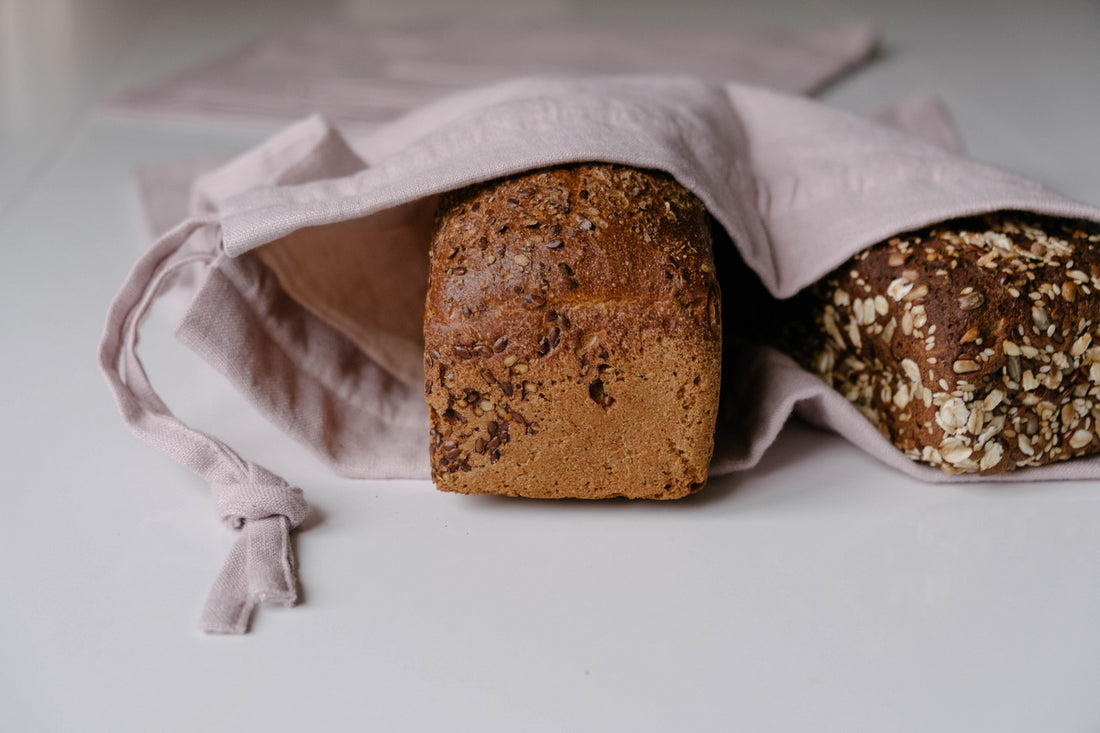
(251, 499)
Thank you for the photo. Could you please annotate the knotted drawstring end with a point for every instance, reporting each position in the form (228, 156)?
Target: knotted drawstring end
(261, 505)
(260, 567)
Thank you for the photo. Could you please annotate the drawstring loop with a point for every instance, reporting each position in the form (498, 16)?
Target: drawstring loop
(251, 499)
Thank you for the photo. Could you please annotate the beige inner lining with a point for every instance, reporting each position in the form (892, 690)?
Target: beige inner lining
(367, 278)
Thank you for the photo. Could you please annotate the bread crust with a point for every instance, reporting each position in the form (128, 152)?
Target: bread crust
(973, 345)
(572, 336)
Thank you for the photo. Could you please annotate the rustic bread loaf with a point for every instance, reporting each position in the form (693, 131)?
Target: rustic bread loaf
(973, 345)
(572, 336)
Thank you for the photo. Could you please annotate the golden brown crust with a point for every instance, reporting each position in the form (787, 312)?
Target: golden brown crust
(572, 336)
(973, 345)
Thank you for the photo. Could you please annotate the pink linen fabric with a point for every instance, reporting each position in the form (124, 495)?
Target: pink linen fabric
(362, 77)
(799, 187)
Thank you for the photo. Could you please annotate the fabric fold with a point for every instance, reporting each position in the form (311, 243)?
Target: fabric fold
(365, 77)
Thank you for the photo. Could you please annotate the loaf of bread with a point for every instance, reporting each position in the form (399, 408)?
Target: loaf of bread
(572, 336)
(973, 345)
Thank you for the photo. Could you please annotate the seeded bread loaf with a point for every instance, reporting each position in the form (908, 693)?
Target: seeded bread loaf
(973, 345)
(572, 336)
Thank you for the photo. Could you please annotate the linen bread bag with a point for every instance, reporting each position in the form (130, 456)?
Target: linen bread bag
(795, 188)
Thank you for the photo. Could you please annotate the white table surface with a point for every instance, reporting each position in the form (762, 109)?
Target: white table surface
(820, 591)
